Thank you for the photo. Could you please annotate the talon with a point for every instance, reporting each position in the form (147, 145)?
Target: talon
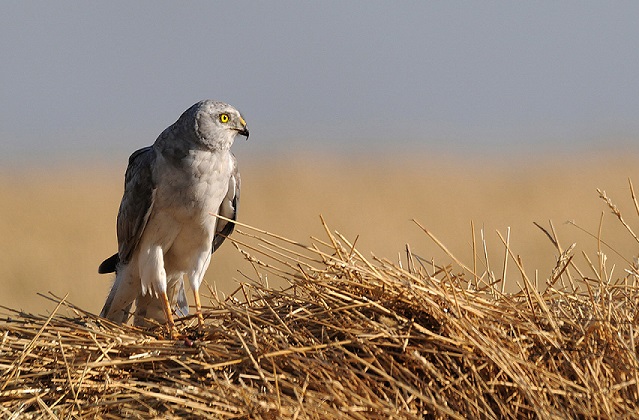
(175, 335)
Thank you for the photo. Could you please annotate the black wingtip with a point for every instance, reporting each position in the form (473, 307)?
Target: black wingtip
(109, 265)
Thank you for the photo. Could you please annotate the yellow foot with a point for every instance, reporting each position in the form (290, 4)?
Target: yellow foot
(200, 321)
(198, 311)
(170, 324)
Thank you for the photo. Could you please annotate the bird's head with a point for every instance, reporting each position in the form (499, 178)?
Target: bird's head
(217, 124)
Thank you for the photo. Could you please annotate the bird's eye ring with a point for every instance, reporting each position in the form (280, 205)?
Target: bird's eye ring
(224, 118)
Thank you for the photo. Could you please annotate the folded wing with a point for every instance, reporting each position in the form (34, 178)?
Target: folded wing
(228, 208)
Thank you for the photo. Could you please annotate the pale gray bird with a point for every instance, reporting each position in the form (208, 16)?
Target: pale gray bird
(165, 228)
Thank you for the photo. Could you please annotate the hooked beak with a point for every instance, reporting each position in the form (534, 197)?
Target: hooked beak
(244, 130)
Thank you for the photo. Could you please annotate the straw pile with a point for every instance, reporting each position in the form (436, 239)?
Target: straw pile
(350, 338)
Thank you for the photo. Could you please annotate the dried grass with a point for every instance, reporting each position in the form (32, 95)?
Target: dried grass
(351, 337)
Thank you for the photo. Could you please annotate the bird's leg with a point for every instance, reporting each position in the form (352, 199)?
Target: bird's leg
(170, 324)
(198, 309)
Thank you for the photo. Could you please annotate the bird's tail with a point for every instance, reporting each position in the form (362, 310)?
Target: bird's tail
(125, 290)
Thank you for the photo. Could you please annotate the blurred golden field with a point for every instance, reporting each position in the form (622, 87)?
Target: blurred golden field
(57, 225)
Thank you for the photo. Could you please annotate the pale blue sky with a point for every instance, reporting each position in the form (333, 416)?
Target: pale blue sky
(94, 79)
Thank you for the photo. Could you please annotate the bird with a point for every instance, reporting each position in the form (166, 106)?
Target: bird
(166, 224)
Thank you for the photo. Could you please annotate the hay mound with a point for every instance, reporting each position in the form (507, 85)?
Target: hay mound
(350, 337)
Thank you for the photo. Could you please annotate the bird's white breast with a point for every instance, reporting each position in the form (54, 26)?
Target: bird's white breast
(186, 195)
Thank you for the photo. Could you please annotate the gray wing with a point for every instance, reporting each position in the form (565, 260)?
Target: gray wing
(135, 208)
(228, 208)
(137, 202)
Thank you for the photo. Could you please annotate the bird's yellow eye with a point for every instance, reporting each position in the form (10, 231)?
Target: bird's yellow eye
(224, 118)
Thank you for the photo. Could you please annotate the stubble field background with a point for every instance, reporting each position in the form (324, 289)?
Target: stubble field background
(58, 224)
